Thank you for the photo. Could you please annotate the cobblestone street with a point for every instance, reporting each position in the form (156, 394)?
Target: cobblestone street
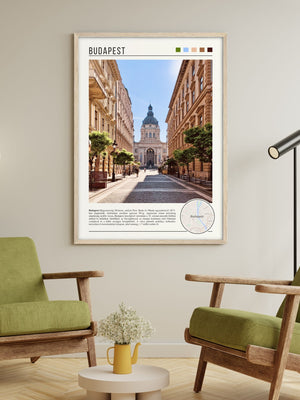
(150, 187)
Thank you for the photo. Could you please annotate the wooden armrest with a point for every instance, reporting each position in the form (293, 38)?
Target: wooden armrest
(75, 274)
(280, 289)
(231, 280)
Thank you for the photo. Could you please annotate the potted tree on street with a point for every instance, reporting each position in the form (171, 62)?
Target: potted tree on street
(184, 158)
(201, 139)
(124, 158)
(99, 141)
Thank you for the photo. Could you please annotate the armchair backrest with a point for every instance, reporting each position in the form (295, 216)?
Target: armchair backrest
(20, 273)
(296, 282)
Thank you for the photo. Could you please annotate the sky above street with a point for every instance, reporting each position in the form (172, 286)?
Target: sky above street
(149, 81)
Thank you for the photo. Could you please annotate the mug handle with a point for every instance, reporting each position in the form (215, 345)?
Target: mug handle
(107, 355)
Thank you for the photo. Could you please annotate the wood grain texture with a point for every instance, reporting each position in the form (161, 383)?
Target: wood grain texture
(215, 301)
(286, 332)
(233, 280)
(204, 343)
(56, 379)
(265, 356)
(270, 369)
(35, 345)
(49, 336)
(278, 289)
(83, 286)
(216, 295)
(34, 359)
(202, 364)
(78, 35)
(74, 274)
(37, 349)
(238, 364)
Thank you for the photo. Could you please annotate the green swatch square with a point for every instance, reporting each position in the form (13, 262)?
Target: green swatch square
(178, 49)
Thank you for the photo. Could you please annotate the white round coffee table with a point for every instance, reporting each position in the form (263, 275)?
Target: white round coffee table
(144, 383)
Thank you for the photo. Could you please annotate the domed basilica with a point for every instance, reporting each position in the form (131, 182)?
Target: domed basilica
(150, 151)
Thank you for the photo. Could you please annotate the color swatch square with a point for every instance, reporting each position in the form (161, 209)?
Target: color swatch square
(194, 49)
(210, 49)
(202, 49)
(186, 49)
(178, 50)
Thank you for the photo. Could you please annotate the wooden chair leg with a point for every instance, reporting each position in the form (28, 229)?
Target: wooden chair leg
(215, 301)
(289, 316)
(34, 359)
(91, 354)
(200, 372)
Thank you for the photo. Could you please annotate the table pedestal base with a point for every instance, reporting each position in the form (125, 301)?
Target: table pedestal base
(97, 396)
(155, 395)
(144, 383)
(123, 396)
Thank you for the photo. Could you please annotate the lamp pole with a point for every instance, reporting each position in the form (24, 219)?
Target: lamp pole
(276, 151)
(295, 210)
(113, 179)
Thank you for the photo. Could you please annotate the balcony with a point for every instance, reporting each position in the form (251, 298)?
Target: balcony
(96, 88)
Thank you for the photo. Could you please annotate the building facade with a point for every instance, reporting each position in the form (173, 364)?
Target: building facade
(124, 129)
(109, 110)
(150, 151)
(190, 106)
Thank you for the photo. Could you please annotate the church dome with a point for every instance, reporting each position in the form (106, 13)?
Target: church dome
(150, 119)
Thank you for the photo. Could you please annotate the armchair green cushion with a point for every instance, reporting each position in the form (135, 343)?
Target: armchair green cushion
(236, 329)
(43, 316)
(21, 276)
(24, 304)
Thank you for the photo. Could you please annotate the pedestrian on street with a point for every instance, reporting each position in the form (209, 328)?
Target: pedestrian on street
(144, 169)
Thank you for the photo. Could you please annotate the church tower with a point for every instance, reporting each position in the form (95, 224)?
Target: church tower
(150, 128)
(150, 151)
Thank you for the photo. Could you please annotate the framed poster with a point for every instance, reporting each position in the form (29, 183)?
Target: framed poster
(150, 139)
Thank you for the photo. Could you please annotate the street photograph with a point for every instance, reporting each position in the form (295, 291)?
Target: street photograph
(150, 131)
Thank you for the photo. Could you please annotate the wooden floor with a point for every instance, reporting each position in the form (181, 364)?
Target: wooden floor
(56, 378)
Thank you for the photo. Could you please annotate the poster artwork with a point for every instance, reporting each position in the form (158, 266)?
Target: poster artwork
(149, 139)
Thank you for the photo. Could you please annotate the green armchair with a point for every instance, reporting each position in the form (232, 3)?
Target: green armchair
(257, 345)
(31, 325)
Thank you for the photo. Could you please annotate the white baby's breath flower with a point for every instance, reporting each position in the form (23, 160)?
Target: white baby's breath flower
(125, 326)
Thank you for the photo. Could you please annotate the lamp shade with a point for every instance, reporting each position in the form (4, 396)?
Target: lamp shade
(284, 145)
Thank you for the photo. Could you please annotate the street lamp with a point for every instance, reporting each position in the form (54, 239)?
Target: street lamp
(113, 179)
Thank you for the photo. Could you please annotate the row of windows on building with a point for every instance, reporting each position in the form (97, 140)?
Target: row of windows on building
(179, 140)
(102, 128)
(164, 150)
(180, 117)
(184, 110)
(181, 98)
(198, 121)
(150, 134)
(143, 161)
(106, 73)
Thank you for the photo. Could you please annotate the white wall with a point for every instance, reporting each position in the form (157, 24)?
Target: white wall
(36, 142)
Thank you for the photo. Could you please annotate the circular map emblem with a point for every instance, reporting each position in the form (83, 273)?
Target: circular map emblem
(197, 216)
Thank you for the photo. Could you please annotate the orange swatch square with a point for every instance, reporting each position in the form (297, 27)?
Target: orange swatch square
(202, 49)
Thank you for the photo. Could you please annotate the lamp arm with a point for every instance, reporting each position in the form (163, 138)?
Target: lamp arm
(284, 145)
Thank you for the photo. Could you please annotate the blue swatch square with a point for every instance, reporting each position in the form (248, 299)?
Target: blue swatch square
(185, 49)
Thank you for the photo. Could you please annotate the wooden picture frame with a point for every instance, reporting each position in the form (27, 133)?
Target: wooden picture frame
(167, 203)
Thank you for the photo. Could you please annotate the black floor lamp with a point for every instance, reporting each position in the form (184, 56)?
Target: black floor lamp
(278, 150)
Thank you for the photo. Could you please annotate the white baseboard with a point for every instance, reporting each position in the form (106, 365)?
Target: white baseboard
(158, 350)
(148, 350)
